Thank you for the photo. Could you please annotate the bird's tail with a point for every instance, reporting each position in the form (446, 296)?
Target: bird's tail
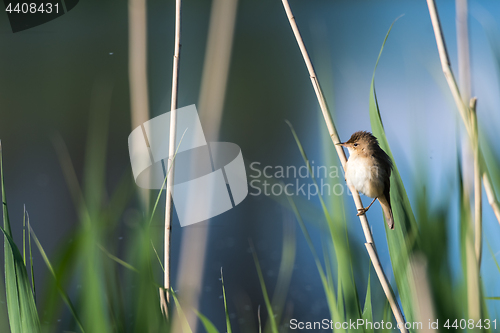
(386, 207)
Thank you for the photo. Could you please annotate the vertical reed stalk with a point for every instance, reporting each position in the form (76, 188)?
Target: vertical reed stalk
(370, 245)
(137, 67)
(462, 108)
(478, 199)
(464, 77)
(164, 293)
(469, 118)
(463, 50)
(210, 109)
(421, 292)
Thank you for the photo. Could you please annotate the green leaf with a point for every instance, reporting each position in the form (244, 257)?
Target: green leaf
(23, 316)
(285, 273)
(228, 322)
(209, 326)
(367, 310)
(405, 228)
(157, 256)
(32, 270)
(340, 241)
(27, 314)
(63, 294)
(182, 316)
(116, 259)
(274, 327)
(165, 180)
(493, 256)
(329, 292)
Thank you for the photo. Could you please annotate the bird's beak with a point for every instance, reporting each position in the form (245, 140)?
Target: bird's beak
(340, 144)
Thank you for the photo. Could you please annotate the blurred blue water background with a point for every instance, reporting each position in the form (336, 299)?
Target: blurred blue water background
(47, 75)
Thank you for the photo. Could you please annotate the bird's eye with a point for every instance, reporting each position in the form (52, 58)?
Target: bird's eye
(355, 145)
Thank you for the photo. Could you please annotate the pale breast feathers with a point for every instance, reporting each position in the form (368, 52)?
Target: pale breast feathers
(365, 175)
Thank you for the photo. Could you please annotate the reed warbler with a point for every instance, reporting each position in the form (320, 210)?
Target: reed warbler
(368, 170)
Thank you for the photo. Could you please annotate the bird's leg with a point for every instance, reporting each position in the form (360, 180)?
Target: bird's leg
(361, 211)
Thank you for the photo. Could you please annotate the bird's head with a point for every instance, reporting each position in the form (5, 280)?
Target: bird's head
(360, 143)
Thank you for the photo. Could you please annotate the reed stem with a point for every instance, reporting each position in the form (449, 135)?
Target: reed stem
(468, 114)
(370, 245)
(164, 294)
(137, 67)
(463, 110)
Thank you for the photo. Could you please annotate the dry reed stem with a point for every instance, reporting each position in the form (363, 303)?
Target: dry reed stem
(464, 77)
(137, 67)
(370, 245)
(164, 294)
(462, 108)
(472, 274)
(470, 122)
(463, 50)
(478, 194)
(210, 109)
(421, 291)
(372, 252)
(490, 194)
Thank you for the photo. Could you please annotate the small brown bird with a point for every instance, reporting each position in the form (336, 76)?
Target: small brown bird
(368, 170)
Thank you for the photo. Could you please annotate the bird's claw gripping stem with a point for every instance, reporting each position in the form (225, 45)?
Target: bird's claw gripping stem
(362, 211)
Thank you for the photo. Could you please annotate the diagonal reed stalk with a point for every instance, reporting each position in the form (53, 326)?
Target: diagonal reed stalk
(370, 245)
(469, 117)
(164, 294)
(463, 110)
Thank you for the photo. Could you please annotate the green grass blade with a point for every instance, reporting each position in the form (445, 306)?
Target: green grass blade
(367, 310)
(340, 299)
(340, 244)
(24, 234)
(329, 292)
(258, 317)
(493, 256)
(32, 270)
(270, 312)
(180, 312)
(23, 316)
(63, 294)
(27, 313)
(288, 252)
(405, 226)
(12, 296)
(157, 256)
(116, 259)
(165, 180)
(228, 322)
(386, 316)
(207, 324)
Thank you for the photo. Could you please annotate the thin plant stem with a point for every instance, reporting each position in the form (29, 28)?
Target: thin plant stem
(137, 67)
(462, 108)
(164, 295)
(445, 64)
(470, 121)
(421, 291)
(370, 244)
(210, 108)
(465, 90)
(490, 194)
(478, 200)
(463, 49)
